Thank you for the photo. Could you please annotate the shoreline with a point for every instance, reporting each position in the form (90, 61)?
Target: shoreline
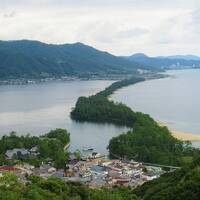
(154, 77)
(185, 136)
(32, 81)
(181, 135)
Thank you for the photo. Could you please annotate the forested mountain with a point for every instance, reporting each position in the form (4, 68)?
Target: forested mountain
(169, 62)
(34, 59)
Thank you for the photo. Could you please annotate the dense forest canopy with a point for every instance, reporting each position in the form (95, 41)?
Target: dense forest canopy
(49, 146)
(182, 184)
(119, 84)
(148, 142)
(56, 189)
(98, 108)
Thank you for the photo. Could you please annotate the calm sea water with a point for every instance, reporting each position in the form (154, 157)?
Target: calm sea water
(36, 109)
(174, 100)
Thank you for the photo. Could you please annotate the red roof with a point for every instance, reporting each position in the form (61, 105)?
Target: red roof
(122, 181)
(8, 168)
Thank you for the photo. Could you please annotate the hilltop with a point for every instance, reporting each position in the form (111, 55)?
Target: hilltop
(34, 59)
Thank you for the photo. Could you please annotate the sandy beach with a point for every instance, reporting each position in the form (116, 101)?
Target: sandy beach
(180, 134)
(185, 136)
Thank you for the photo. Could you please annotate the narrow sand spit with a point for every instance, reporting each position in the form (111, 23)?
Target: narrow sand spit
(180, 134)
(185, 136)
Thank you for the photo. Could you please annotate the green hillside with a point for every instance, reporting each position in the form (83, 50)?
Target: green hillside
(34, 59)
(181, 184)
(38, 188)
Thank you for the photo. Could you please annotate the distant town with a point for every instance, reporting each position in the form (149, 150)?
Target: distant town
(115, 77)
(27, 81)
(89, 167)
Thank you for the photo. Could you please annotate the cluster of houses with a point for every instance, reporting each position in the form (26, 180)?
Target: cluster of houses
(92, 169)
(34, 81)
(21, 153)
(98, 172)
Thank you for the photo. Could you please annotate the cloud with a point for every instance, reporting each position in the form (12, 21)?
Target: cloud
(9, 14)
(121, 27)
(144, 4)
(134, 32)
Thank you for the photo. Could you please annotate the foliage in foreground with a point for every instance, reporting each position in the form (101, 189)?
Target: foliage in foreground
(56, 189)
(181, 184)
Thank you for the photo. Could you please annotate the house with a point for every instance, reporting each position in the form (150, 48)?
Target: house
(44, 170)
(28, 167)
(8, 168)
(72, 160)
(47, 169)
(34, 151)
(21, 174)
(155, 170)
(85, 174)
(149, 176)
(19, 153)
(121, 182)
(69, 173)
(58, 174)
(95, 155)
(112, 173)
(84, 157)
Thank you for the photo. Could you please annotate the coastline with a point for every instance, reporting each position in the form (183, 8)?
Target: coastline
(22, 81)
(181, 135)
(185, 136)
(148, 78)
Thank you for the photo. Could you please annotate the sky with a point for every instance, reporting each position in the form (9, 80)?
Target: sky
(121, 27)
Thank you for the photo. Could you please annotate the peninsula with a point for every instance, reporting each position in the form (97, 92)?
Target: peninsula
(146, 141)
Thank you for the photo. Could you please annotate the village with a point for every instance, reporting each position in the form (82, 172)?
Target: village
(91, 168)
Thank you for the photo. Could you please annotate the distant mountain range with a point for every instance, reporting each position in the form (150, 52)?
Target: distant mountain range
(34, 59)
(167, 62)
(27, 59)
(182, 57)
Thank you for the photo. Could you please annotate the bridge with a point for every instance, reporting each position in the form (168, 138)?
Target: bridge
(149, 164)
(158, 165)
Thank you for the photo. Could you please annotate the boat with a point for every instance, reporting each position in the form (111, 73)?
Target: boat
(87, 149)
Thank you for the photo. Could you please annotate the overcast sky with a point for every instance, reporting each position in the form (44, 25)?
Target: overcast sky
(122, 27)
